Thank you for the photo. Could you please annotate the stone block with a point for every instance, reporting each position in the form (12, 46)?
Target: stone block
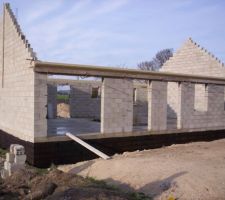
(6, 165)
(20, 159)
(13, 167)
(4, 173)
(10, 157)
(18, 150)
(11, 149)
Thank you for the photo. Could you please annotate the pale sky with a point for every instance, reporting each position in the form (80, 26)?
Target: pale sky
(118, 33)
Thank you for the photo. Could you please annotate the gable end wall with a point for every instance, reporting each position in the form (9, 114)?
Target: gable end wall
(17, 80)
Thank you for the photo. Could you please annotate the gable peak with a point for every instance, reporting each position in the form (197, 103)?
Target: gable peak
(190, 40)
(7, 8)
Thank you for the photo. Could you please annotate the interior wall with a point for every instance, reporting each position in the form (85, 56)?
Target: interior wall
(82, 104)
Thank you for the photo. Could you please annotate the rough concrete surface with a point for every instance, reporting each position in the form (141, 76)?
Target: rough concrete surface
(184, 171)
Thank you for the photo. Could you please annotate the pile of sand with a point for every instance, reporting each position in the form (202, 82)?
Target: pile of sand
(63, 110)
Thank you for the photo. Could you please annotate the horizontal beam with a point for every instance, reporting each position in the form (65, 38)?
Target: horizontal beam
(111, 72)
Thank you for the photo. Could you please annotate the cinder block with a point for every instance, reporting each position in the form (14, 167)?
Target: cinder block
(20, 159)
(6, 165)
(4, 173)
(19, 150)
(12, 148)
(13, 167)
(10, 157)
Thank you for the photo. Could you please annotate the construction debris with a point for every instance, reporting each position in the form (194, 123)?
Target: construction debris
(15, 160)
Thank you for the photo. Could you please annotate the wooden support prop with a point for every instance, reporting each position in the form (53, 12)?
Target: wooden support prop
(86, 145)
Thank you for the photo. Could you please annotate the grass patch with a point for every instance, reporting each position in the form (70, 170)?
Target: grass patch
(63, 97)
(101, 184)
(139, 196)
(131, 196)
(41, 171)
(3, 152)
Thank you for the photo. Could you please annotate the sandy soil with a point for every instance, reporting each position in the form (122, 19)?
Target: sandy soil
(63, 110)
(185, 171)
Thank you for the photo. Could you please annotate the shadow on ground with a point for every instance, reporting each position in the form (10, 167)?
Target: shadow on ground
(82, 167)
(155, 188)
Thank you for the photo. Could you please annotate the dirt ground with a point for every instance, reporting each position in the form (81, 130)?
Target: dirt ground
(36, 184)
(184, 171)
(63, 110)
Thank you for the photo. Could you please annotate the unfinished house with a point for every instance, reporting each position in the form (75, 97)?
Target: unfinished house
(112, 109)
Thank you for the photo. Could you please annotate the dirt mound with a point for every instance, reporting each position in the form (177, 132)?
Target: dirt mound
(183, 171)
(55, 184)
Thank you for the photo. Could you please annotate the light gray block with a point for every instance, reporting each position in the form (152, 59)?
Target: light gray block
(20, 159)
(19, 150)
(4, 173)
(10, 157)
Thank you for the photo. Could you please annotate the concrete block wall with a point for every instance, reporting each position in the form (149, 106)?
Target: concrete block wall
(185, 105)
(181, 103)
(200, 97)
(82, 105)
(117, 105)
(17, 99)
(52, 100)
(214, 117)
(40, 105)
(157, 105)
(1, 48)
(224, 97)
(191, 58)
(181, 97)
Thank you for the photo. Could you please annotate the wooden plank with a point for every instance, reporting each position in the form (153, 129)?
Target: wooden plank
(86, 145)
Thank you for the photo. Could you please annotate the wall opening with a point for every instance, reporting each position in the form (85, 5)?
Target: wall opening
(95, 92)
(224, 99)
(63, 101)
(140, 106)
(135, 96)
(172, 104)
(200, 98)
(76, 105)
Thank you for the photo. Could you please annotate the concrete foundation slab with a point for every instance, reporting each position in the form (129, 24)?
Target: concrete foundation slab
(77, 126)
(72, 125)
